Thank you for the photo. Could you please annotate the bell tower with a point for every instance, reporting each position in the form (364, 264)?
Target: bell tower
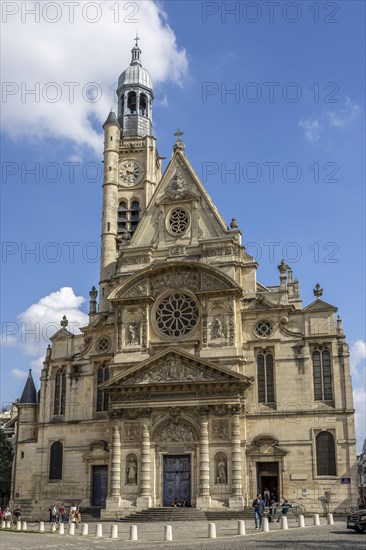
(132, 167)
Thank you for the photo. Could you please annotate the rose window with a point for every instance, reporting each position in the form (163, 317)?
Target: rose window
(177, 315)
(178, 221)
(103, 345)
(263, 329)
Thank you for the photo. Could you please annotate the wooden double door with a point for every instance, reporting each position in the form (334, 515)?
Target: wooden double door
(176, 479)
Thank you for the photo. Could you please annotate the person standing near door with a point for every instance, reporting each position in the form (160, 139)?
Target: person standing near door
(259, 506)
(266, 496)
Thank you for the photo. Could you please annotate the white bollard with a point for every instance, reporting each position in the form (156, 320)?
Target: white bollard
(99, 530)
(316, 519)
(3, 524)
(284, 523)
(168, 535)
(133, 532)
(241, 527)
(24, 526)
(41, 526)
(114, 532)
(211, 530)
(301, 521)
(19, 526)
(61, 529)
(53, 527)
(8, 525)
(265, 525)
(330, 519)
(85, 529)
(71, 529)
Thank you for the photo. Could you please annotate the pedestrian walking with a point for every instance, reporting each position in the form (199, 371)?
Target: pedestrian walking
(259, 507)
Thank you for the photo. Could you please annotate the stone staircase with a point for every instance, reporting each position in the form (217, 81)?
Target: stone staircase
(167, 514)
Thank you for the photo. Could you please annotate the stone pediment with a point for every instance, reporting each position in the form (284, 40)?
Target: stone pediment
(61, 335)
(319, 305)
(192, 276)
(267, 446)
(175, 368)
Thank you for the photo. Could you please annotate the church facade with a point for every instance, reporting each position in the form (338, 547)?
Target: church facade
(192, 380)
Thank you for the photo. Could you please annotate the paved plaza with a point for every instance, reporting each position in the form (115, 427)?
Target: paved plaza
(193, 535)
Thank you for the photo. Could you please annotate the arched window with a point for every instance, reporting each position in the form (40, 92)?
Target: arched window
(122, 217)
(325, 454)
(143, 105)
(322, 375)
(102, 398)
(265, 377)
(131, 103)
(134, 216)
(59, 404)
(56, 452)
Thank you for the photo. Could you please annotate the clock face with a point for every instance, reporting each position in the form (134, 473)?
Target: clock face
(130, 172)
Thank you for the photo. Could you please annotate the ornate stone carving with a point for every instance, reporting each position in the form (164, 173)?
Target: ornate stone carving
(175, 432)
(136, 291)
(134, 260)
(119, 331)
(173, 370)
(178, 189)
(131, 432)
(217, 328)
(220, 429)
(183, 279)
(132, 143)
(177, 250)
(204, 410)
(231, 332)
(235, 409)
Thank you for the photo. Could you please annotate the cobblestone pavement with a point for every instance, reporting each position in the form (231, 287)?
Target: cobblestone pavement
(192, 535)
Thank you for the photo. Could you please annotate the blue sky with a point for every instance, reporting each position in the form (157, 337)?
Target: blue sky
(271, 104)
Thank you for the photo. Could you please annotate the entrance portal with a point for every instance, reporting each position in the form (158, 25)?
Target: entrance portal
(267, 478)
(176, 479)
(99, 485)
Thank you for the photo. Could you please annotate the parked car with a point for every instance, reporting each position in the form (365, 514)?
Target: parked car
(357, 521)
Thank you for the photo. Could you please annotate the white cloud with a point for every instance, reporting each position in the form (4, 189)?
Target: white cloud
(79, 52)
(312, 128)
(42, 320)
(339, 118)
(359, 400)
(358, 354)
(7, 340)
(17, 373)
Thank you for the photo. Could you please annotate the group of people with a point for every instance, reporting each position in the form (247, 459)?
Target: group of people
(59, 514)
(7, 515)
(275, 509)
(176, 503)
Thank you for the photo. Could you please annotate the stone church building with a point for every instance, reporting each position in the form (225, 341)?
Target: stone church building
(192, 380)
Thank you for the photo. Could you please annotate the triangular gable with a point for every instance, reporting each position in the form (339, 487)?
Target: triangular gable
(180, 184)
(61, 334)
(320, 305)
(172, 367)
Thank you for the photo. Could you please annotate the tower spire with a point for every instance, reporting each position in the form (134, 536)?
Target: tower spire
(136, 52)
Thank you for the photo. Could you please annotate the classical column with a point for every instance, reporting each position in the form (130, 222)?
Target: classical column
(204, 499)
(116, 464)
(236, 500)
(144, 499)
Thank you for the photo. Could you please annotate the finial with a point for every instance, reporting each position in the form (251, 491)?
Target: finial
(136, 52)
(234, 224)
(282, 268)
(93, 293)
(137, 38)
(64, 322)
(318, 291)
(339, 326)
(179, 133)
(179, 145)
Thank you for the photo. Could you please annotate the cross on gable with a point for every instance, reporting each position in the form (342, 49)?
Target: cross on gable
(179, 133)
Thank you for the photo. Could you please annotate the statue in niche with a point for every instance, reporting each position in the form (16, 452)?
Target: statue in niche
(217, 329)
(221, 471)
(131, 471)
(133, 333)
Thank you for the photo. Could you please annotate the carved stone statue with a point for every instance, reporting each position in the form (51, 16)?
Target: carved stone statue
(217, 329)
(176, 432)
(131, 471)
(221, 471)
(133, 333)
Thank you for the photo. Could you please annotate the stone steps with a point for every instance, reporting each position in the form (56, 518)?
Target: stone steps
(166, 514)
